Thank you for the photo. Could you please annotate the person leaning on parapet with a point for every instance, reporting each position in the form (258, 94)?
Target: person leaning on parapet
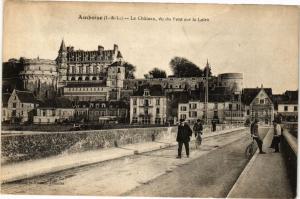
(183, 137)
(255, 135)
(198, 128)
(276, 137)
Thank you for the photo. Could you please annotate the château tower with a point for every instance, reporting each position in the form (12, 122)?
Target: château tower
(61, 61)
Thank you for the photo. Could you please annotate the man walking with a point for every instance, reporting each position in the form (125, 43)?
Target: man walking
(277, 135)
(183, 137)
(255, 135)
(198, 128)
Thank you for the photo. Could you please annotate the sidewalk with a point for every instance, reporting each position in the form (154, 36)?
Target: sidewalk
(264, 177)
(32, 168)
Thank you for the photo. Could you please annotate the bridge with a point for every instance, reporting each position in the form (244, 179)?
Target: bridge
(148, 167)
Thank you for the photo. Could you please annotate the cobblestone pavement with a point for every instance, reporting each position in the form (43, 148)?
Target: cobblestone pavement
(214, 168)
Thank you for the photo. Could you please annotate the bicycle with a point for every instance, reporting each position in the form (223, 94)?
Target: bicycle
(250, 149)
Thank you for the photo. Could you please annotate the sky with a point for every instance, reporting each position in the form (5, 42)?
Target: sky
(262, 42)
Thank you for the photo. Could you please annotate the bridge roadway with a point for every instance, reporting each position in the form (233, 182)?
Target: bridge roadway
(210, 171)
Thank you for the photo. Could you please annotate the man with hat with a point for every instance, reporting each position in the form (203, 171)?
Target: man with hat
(183, 137)
(255, 135)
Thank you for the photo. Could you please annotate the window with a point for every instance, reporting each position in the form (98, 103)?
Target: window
(261, 101)
(103, 105)
(248, 112)
(134, 120)
(183, 116)
(48, 120)
(146, 102)
(146, 111)
(157, 120)
(230, 107)
(295, 108)
(216, 105)
(215, 113)
(285, 108)
(193, 114)
(14, 105)
(193, 106)
(157, 101)
(134, 110)
(157, 110)
(183, 108)
(134, 101)
(146, 92)
(146, 120)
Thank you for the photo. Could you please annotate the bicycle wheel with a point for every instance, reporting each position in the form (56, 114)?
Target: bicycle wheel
(249, 151)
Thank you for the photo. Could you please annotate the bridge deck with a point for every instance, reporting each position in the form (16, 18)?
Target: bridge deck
(264, 177)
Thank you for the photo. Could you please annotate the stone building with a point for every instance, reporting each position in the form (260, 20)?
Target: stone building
(148, 105)
(81, 65)
(101, 111)
(103, 68)
(21, 106)
(82, 91)
(40, 77)
(195, 109)
(233, 82)
(54, 111)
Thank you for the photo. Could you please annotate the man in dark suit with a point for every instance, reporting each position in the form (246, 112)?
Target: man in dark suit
(183, 137)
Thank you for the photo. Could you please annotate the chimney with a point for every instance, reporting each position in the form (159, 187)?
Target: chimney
(116, 48)
(100, 48)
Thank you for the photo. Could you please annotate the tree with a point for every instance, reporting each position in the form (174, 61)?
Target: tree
(156, 73)
(129, 70)
(182, 67)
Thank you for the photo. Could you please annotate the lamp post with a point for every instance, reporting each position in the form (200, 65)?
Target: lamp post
(206, 92)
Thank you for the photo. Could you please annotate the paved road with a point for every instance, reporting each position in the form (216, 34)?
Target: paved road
(210, 171)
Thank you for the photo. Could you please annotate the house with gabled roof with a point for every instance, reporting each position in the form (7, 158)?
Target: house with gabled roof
(21, 106)
(258, 104)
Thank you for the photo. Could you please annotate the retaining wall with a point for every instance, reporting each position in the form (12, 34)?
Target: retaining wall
(20, 146)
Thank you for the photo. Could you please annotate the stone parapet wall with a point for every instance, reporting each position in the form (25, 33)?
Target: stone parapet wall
(20, 146)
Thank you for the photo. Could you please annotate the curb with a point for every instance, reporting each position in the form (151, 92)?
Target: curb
(243, 174)
(77, 165)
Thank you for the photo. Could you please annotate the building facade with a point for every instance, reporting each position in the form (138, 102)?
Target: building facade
(81, 91)
(39, 76)
(78, 65)
(288, 107)
(54, 111)
(21, 106)
(148, 106)
(258, 104)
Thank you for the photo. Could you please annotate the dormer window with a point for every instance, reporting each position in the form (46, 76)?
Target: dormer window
(146, 92)
(103, 105)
